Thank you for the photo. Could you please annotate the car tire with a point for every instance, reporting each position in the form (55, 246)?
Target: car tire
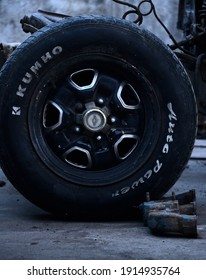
(94, 113)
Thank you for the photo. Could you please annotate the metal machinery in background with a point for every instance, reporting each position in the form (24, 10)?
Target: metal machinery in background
(192, 20)
(191, 51)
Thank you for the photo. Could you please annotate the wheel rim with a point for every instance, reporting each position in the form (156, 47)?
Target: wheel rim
(100, 124)
(92, 119)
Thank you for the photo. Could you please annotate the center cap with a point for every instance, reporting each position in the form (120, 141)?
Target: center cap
(94, 120)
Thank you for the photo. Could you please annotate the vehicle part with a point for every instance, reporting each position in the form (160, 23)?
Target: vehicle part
(98, 112)
(192, 20)
(165, 222)
(36, 21)
(172, 215)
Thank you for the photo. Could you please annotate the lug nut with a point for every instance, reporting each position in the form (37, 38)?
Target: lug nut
(112, 119)
(77, 129)
(99, 138)
(100, 101)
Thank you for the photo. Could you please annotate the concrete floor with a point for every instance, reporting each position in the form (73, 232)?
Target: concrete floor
(26, 232)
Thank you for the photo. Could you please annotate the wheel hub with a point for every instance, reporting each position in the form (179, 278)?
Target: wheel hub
(94, 120)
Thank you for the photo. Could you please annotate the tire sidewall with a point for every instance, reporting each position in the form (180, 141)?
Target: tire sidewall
(118, 39)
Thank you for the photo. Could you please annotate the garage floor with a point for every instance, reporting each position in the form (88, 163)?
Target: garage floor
(26, 232)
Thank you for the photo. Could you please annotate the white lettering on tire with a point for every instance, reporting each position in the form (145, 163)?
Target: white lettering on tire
(33, 71)
(157, 167)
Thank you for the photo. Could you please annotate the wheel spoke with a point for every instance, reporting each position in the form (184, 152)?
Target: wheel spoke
(105, 90)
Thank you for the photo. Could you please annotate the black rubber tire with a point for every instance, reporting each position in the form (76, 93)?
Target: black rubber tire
(162, 117)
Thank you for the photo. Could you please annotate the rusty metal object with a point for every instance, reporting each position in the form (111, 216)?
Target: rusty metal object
(36, 21)
(172, 215)
(183, 198)
(168, 222)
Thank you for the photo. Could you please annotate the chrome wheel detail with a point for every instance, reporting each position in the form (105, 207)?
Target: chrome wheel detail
(125, 146)
(84, 79)
(128, 97)
(78, 157)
